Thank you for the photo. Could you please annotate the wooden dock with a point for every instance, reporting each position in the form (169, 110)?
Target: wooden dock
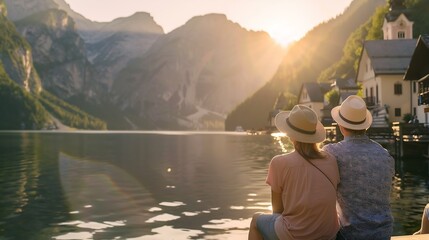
(402, 139)
(411, 237)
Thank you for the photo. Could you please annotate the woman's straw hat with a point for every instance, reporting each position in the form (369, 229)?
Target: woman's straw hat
(352, 114)
(301, 124)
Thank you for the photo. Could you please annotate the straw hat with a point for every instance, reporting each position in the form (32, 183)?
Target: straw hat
(301, 124)
(352, 114)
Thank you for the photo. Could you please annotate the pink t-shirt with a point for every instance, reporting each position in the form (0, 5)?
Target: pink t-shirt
(309, 198)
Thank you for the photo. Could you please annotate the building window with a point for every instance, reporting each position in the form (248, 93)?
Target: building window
(401, 34)
(398, 89)
(414, 111)
(376, 93)
(397, 112)
(414, 87)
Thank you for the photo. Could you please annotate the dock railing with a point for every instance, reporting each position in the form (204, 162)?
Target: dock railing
(397, 137)
(412, 133)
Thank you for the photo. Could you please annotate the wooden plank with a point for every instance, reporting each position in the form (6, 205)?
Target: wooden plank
(411, 237)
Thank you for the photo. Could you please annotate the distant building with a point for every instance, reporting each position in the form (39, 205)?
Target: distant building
(280, 105)
(383, 64)
(312, 96)
(396, 22)
(419, 70)
(345, 88)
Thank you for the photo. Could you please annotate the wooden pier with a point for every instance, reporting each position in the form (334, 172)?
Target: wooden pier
(411, 237)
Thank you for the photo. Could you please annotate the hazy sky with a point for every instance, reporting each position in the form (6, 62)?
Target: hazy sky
(284, 20)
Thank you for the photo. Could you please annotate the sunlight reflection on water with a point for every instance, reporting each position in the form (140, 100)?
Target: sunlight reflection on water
(152, 185)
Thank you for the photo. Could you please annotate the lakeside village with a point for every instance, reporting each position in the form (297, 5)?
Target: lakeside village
(393, 75)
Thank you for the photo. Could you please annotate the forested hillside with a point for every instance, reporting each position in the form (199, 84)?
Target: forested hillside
(305, 60)
(23, 102)
(346, 67)
(19, 109)
(320, 61)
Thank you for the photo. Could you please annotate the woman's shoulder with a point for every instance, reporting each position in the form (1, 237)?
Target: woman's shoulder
(287, 159)
(289, 155)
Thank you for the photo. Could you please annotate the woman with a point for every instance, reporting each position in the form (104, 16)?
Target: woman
(424, 229)
(303, 184)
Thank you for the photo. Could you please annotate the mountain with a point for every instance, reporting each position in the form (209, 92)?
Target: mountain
(24, 104)
(59, 53)
(18, 107)
(193, 76)
(16, 57)
(112, 46)
(19, 9)
(347, 66)
(109, 45)
(304, 61)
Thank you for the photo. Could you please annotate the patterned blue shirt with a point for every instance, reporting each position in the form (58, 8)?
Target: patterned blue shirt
(363, 195)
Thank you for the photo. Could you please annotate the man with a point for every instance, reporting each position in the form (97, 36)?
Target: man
(366, 172)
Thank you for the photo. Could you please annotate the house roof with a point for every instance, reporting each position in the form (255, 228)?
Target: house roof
(342, 83)
(419, 63)
(390, 56)
(394, 15)
(316, 91)
(345, 95)
(281, 102)
(396, 8)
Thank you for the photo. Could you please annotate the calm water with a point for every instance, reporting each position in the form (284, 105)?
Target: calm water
(153, 185)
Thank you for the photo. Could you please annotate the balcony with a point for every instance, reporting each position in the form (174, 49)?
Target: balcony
(370, 101)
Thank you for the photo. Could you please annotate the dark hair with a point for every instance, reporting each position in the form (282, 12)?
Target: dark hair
(354, 132)
(309, 150)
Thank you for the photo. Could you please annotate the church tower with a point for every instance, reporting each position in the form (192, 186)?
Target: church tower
(396, 23)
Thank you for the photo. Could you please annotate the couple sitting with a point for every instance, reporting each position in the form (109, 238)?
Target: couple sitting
(339, 192)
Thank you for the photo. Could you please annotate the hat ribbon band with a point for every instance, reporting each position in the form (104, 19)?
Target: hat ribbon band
(350, 122)
(299, 129)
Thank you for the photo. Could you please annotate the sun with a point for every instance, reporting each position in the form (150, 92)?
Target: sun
(281, 35)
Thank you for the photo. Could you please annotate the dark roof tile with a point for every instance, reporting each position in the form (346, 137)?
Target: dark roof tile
(390, 56)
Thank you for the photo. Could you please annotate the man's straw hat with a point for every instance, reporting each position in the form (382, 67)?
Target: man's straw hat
(352, 114)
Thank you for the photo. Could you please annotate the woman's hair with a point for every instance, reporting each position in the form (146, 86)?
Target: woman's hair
(308, 150)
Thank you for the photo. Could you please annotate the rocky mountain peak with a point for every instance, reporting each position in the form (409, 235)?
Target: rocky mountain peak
(54, 19)
(213, 17)
(19, 9)
(210, 21)
(139, 22)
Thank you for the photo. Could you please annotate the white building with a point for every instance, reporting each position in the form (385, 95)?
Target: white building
(382, 66)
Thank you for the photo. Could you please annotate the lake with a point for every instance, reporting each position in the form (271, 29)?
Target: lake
(154, 185)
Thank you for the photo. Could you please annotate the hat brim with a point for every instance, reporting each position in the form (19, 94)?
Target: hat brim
(335, 113)
(282, 126)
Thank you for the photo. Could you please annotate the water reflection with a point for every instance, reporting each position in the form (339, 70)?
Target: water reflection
(153, 185)
(410, 193)
(92, 187)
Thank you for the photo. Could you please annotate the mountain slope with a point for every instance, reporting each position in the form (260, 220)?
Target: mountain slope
(59, 53)
(19, 9)
(304, 61)
(194, 75)
(16, 57)
(111, 47)
(19, 109)
(23, 102)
